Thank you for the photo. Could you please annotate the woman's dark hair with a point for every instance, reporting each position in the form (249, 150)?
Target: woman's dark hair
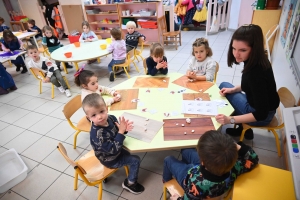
(8, 34)
(253, 36)
(83, 77)
(202, 41)
(217, 151)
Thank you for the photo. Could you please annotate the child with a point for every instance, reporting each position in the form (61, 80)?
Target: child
(53, 74)
(11, 43)
(118, 49)
(6, 81)
(88, 81)
(88, 36)
(201, 67)
(211, 170)
(157, 62)
(2, 25)
(132, 36)
(33, 28)
(107, 137)
(52, 43)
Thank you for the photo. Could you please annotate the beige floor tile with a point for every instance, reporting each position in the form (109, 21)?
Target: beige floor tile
(9, 133)
(29, 120)
(14, 115)
(61, 132)
(11, 196)
(9, 97)
(29, 163)
(45, 125)
(3, 125)
(91, 193)
(57, 113)
(83, 139)
(6, 109)
(22, 99)
(48, 107)
(34, 103)
(264, 140)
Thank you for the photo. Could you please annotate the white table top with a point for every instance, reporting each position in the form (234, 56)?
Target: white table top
(22, 35)
(4, 59)
(86, 51)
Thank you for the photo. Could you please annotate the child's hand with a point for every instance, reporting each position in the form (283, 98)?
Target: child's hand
(49, 63)
(117, 99)
(159, 65)
(165, 64)
(116, 94)
(89, 40)
(238, 147)
(46, 80)
(129, 125)
(7, 50)
(122, 125)
(174, 197)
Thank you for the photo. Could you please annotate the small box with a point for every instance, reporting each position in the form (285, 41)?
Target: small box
(74, 38)
(147, 13)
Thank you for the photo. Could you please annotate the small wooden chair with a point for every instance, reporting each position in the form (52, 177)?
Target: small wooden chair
(174, 188)
(83, 125)
(216, 72)
(174, 36)
(126, 64)
(138, 52)
(288, 100)
(40, 75)
(89, 168)
(145, 66)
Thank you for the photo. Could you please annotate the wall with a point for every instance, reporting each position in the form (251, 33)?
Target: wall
(4, 14)
(70, 2)
(30, 9)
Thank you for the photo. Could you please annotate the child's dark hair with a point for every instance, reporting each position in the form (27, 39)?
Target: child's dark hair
(85, 23)
(31, 21)
(116, 34)
(48, 28)
(157, 50)
(82, 77)
(31, 47)
(217, 151)
(8, 34)
(252, 35)
(93, 100)
(202, 41)
(1, 20)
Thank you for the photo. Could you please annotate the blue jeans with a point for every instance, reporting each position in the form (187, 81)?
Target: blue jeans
(132, 161)
(241, 106)
(114, 62)
(178, 169)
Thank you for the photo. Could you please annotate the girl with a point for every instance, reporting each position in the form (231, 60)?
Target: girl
(201, 67)
(157, 62)
(88, 81)
(11, 43)
(87, 36)
(257, 104)
(52, 43)
(118, 49)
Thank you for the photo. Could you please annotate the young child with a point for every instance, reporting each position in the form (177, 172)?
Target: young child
(52, 43)
(157, 62)
(53, 74)
(2, 25)
(132, 36)
(10, 43)
(118, 49)
(88, 36)
(107, 137)
(88, 81)
(201, 67)
(33, 28)
(211, 170)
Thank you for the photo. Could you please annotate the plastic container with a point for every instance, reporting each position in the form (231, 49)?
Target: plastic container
(260, 4)
(73, 38)
(12, 170)
(76, 44)
(103, 46)
(68, 54)
(108, 40)
(272, 4)
(18, 18)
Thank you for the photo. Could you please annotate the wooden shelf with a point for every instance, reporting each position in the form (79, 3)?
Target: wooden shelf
(91, 23)
(103, 14)
(138, 17)
(96, 5)
(141, 29)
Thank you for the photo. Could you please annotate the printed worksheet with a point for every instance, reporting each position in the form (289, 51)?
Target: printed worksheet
(199, 107)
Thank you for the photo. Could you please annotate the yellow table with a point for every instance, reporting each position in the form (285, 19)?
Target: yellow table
(163, 101)
(86, 51)
(264, 183)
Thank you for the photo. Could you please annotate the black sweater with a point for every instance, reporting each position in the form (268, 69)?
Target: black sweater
(260, 88)
(151, 65)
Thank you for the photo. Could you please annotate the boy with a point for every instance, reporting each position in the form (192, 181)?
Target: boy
(222, 160)
(53, 74)
(33, 28)
(107, 136)
(132, 36)
(2, 25)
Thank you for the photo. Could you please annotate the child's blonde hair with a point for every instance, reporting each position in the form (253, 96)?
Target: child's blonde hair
(85, 23)
(157, 50)
(130, 24)
(48, 28)
(116, 34)
(202, 41)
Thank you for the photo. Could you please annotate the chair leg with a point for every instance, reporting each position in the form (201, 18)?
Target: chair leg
(75, 138)
(243, 134)
(75, 181)
(9, 62)
(175, 42)
(277, 142)
(137, 69)
(165, 193)
(126, 170)
(52, 91)
(126, 72)
(98, 59)
(100, 191)
(76, 66)
(141, 57)
(40, 86)
(66, 81)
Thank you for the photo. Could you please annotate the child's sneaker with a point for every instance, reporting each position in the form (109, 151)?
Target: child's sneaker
(135, 188)
(111, 76)
(69, 66)
(61, 89)
(68, 93)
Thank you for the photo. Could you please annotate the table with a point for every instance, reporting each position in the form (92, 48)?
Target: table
(5, 59)
(164, 101)
(86, 51)
(21, 35)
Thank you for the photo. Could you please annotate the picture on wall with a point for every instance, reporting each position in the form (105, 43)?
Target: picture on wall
(288, 19)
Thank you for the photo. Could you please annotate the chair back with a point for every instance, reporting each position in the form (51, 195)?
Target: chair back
(72, 106)
(216, 72)
(162, 24)
(130, 55)
(145, 66)
(141, 43)
(37, 73)
(99, 37)
(286, 97)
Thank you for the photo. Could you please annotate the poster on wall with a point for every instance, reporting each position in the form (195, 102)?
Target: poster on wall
(288, 19)
(293, 32)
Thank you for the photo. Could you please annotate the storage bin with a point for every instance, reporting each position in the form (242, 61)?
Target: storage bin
(18, 18)
(12, 170)
(73, 38)
(147, 13)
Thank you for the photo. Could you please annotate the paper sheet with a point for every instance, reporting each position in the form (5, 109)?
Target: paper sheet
(199, 107)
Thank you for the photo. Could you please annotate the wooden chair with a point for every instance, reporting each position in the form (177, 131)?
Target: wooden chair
(145, 66)
(83, 125)
(288, 100)
(138, 52)
(216, 72)
(174, 188)
(174, 36)
(126, 65)
(40, 75)
(89, 168)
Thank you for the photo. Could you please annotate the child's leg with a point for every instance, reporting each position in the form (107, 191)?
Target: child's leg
(110, 65)
(59, 79)
(128, 48)
(190, 156)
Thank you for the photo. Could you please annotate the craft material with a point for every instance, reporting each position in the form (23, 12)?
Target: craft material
(188, 120)
(125, 103)
(151, 82)
(193, 131)
(195, 85)
(203, 108)
(182, 125)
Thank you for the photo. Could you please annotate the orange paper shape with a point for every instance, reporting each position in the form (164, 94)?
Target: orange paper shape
(179, 132)
(152, 82)
(195, 85)
(126, 97)
(193, 96)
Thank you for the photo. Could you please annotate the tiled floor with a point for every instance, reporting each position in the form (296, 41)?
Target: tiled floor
(33, 124)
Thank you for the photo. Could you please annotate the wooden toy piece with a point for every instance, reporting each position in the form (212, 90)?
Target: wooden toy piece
(188, 120)
(184, 133)
(182, 125)
(147, 119)
(193, 131)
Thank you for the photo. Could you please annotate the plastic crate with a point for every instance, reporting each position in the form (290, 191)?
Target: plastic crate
(18, 18)
(148, 24)
(73, 38)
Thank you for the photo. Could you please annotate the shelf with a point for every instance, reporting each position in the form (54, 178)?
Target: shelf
(96, 5)
(138, 17)
(104, 23)
(141, 29)
(103, 14)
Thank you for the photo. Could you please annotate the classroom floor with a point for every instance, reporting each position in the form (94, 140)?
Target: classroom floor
(33, 124)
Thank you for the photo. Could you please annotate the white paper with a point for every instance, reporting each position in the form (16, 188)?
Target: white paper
(199, 107)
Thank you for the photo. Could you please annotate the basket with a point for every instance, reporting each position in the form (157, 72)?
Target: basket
(73, 38)
(18, 18)
(148, 24)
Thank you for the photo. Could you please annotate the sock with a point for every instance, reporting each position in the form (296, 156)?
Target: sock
(130, 183)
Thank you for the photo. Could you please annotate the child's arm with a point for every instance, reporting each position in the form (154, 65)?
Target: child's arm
(21, 44)
(110, 47)
(141, 35)
(210, 70)
(81, 39)
(152, 66)
(164, 69)
(44, 40)
(95, 37)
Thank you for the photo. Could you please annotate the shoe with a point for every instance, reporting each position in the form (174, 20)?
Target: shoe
(3, 91)
(68, 93)
(249, 134)
(18, 68)
(24, 70)
(13, 88)
(91, 61)
(120, 71)
(61, 89)
(68, 66)
(235, 131)
(111, 76)
(135, 188)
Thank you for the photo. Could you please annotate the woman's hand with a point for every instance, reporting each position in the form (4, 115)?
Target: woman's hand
(225, 91)
(222, 119)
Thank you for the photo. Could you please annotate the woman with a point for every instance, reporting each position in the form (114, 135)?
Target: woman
(257, 105)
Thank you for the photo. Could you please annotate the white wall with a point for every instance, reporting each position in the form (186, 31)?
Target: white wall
(4, 14)
(30, 9)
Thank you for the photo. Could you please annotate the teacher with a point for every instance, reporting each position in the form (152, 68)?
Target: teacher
(255, 101)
